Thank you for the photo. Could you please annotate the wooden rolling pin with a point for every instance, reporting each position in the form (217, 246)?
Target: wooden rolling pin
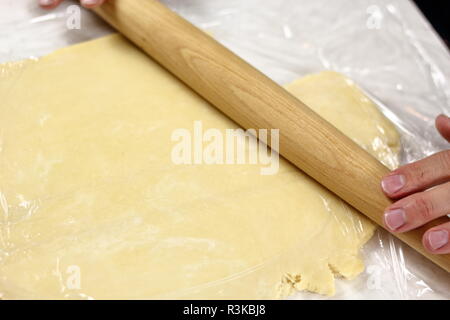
(254, 101)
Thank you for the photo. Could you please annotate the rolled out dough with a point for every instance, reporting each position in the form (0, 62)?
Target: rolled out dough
(93, 207)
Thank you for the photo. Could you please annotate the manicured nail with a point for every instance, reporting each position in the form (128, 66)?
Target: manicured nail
(46, 3)
(437, 239)
(89, 2)
(394, 219)
(392, 184)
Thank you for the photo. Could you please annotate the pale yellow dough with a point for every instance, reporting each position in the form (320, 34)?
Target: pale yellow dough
(88, 189)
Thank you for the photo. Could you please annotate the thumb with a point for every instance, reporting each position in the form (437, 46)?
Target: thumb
(443, 126)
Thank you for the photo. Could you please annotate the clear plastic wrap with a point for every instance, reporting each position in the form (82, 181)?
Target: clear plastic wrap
(387, 48)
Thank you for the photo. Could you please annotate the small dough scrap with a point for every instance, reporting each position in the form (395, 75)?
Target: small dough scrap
(93, 207)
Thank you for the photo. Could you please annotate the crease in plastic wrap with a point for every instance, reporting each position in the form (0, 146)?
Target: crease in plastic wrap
(386, 48)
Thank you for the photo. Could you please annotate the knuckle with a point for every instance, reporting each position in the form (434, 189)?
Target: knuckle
(416, 174)
(423, 208)
(444, 158)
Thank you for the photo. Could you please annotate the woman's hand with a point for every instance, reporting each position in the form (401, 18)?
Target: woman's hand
(424, 189)
(50, 4)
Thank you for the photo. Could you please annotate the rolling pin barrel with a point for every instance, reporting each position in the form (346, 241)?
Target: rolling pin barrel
(254, 101)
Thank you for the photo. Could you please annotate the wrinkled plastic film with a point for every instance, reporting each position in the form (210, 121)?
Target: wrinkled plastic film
(386, 49)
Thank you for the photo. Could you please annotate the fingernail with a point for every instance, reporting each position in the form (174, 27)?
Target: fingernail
(89, 2)
(392, 184)
(46, 2)
(437, 239)
(394, 219)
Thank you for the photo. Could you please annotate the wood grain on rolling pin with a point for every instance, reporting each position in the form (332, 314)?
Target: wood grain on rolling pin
(254, 101)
